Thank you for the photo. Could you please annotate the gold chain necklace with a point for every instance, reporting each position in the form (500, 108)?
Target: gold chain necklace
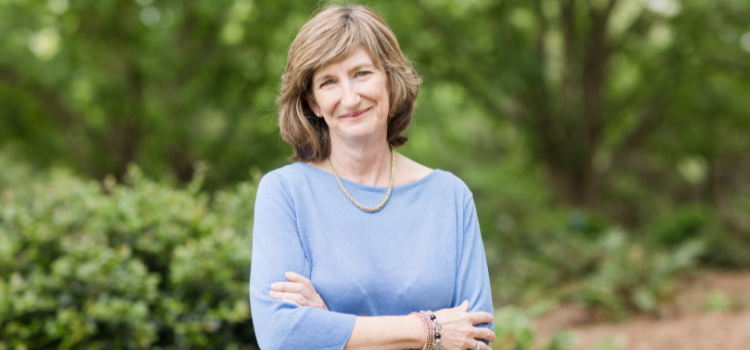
(360, 206)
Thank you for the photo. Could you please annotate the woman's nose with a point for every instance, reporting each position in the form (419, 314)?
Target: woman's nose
(350, 98)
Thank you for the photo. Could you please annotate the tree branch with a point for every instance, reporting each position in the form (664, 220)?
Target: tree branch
(617, 46)
(651, 118)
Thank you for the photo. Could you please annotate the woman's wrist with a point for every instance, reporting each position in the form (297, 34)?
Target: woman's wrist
(432, 329)
(422, 335)
(429, 332)
(387, 332)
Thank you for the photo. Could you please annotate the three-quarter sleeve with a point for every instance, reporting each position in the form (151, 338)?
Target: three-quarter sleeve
(277, 248)
(473, 280)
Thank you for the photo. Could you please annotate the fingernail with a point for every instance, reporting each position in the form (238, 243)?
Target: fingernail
(274, 285)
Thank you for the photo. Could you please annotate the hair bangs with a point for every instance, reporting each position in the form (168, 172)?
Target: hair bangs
(341, 43)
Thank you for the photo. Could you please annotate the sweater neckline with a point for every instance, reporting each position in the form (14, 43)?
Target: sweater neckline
(349, 183)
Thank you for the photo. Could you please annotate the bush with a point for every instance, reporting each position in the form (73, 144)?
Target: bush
(91, 266)
(683, 224)
(514, 331)
(631, 276)
(611, 273)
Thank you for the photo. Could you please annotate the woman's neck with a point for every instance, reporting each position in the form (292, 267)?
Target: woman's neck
(367, 163)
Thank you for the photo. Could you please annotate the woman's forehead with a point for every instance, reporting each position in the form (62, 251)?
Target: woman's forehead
(359, 58)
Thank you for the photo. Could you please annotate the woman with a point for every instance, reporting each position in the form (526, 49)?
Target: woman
(353, 238)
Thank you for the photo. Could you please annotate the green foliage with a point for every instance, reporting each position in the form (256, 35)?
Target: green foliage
(97, 85)
(683, 225)
(630, 276)
(137, 266)
(609, 272)
(717, 301)
(514, 331)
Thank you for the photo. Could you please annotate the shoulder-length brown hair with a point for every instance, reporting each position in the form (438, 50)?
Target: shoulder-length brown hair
(330, 36)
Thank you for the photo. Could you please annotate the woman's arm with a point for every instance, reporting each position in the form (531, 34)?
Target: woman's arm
(472, 277)
(386, 332)
(277, 248)
(394, 332)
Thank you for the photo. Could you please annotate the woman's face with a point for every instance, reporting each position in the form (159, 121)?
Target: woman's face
(352, 95)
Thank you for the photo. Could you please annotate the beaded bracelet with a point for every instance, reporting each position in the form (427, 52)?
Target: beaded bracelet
(429, 331)
(435, 329)
(432, 332)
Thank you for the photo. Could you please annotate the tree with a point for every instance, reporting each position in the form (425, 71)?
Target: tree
(102, 84)
(589, 82)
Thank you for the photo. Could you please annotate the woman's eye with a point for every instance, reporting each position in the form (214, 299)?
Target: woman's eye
(362, 73)
(327, 82)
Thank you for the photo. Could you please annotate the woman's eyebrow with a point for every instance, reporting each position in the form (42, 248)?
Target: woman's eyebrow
(322, 78)
(362, 66)
(356, 68)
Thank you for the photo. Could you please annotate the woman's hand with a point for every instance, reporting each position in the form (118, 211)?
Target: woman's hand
(458, 331)
(299, 290)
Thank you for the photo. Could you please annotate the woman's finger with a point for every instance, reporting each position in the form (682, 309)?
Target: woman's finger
(478, 344)
(288, 287)
(483, 346)
(295, 277)
(484, 333)
(481, 317)
(306, 295)
(463, 306)
(298, 288)
(309, 291)
(293, 298)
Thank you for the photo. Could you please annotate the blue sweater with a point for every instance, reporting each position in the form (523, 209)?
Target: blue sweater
(422, 251)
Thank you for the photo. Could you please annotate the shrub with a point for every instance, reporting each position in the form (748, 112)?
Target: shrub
(609, 272)
(631, 276)
(514, 331)
(86, 265)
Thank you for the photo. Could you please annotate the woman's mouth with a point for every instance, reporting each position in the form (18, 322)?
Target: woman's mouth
(355, 114)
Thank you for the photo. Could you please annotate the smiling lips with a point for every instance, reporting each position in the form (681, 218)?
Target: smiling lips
(355, 114)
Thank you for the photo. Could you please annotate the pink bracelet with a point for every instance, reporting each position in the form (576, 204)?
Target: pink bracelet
(435, 329)
(429, 332)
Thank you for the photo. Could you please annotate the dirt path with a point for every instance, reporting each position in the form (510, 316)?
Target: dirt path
(712, 312)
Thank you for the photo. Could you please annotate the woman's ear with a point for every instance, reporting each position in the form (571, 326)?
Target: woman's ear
(314, 106)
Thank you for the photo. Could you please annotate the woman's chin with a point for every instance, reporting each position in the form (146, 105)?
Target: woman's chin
(360, 133)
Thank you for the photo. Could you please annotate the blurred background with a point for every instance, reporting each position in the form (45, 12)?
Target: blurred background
(605, 141)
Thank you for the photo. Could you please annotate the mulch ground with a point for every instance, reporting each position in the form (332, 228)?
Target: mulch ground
(711, 312)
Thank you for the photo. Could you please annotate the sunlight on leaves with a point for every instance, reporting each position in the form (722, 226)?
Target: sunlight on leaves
(150, 15)
(623, 15)
(745, 42)
(693, 169)
(241, 10)
(58, 6)
(82, 90)
(667, 8)
(522, 19)
(660, 35)
(44, 44)
(232, 33)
